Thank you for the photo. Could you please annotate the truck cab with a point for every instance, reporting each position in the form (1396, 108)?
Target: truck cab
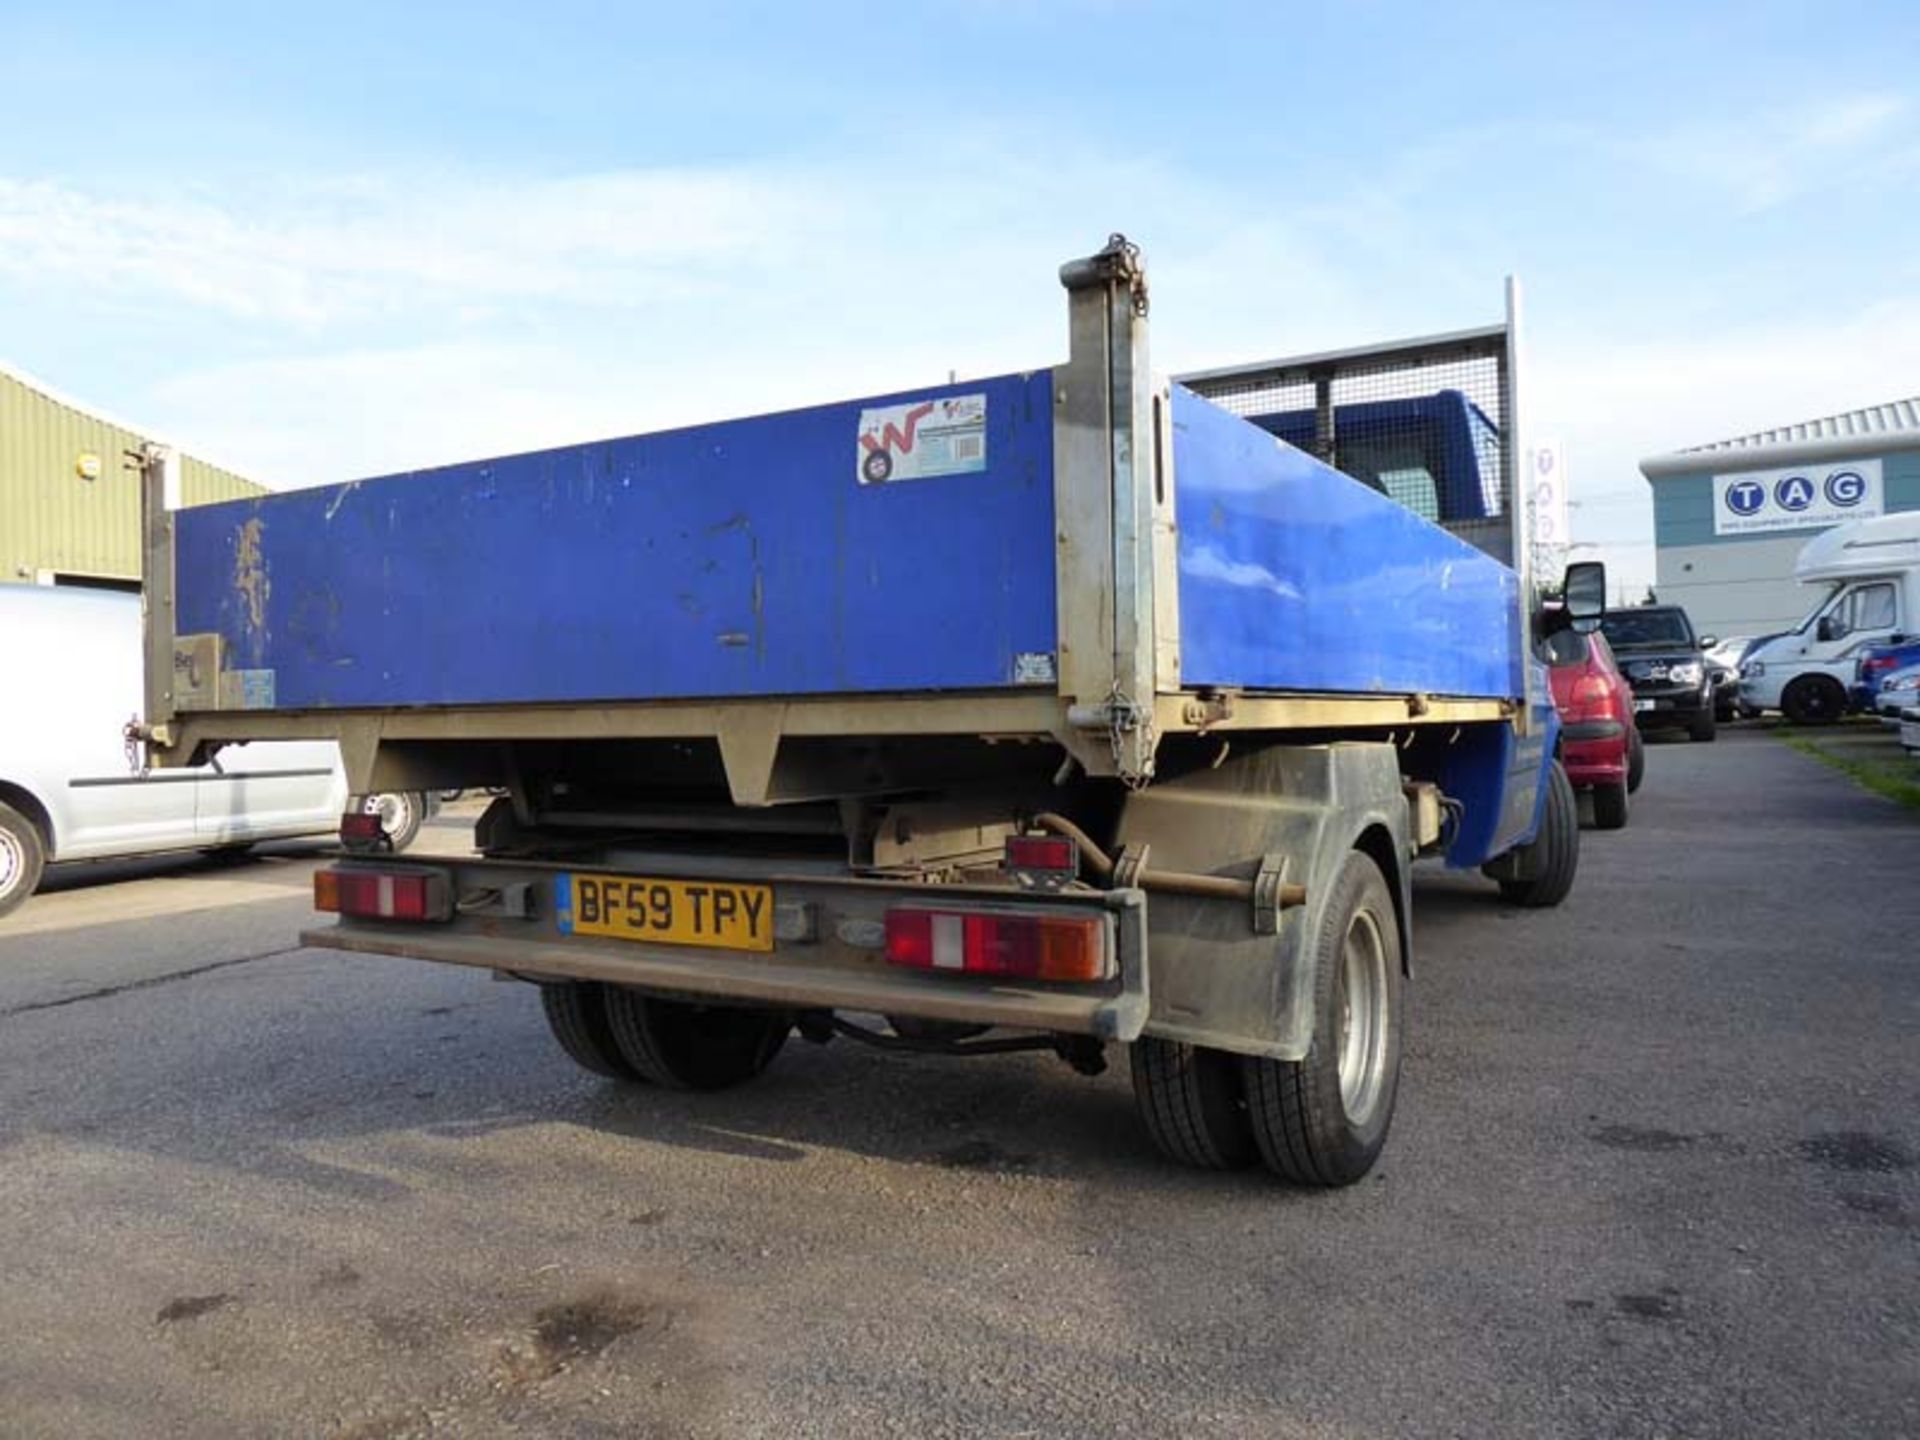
(1867, 576)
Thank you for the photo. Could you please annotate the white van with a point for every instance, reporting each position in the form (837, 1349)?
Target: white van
(71, 790)
(1869, 572)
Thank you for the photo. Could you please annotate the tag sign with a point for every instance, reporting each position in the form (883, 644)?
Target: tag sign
(1800, 498)
(1547, 474)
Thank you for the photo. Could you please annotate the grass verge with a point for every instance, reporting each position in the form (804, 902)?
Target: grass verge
(1889, 772)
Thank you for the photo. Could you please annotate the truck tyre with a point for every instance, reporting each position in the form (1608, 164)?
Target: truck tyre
(401, 813)
(23, 859)
(1703, 725)
(1191, 1101)
(1610, 806)
(1323, 1120)
(1814, 700)
(577, 1015)
(1636, 759)
(685, 1045)
(1556, 847)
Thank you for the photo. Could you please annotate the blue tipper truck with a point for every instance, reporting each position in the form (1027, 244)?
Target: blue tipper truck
(1045, 711)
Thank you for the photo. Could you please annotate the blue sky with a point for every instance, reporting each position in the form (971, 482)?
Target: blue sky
(354, 238)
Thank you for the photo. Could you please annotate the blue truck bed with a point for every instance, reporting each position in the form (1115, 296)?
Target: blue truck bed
(757, 558)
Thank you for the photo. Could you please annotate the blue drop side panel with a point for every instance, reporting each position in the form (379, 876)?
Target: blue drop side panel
(734, 559)
(1296, 577)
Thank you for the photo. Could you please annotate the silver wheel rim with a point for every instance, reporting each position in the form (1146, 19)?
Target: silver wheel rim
(393, 808)
(13, 862)
(1363, 1018)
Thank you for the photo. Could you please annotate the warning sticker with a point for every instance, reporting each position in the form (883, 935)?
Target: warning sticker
(923, 439)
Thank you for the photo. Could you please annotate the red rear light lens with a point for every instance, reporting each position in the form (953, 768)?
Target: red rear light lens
(1028, 947)
(360, 831)
(1051, 854)
(420, 895)
(1591, 696)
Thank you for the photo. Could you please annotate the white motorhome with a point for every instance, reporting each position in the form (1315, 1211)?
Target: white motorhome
(70, 789)
(1869, 578)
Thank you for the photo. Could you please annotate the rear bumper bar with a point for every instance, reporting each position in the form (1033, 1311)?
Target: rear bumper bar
(834, 963)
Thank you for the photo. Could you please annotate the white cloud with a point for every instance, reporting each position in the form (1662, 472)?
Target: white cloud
(382, 326)
(1766, 161)
(329, 253)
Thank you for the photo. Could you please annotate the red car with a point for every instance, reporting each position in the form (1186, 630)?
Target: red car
(1598, 742)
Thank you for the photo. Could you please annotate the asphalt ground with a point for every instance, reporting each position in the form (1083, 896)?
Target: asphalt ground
(1653, 1174)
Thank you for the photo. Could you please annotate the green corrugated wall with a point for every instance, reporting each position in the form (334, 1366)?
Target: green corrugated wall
(53, 520)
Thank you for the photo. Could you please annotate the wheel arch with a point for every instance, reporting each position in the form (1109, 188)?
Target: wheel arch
(1217, 980)
(20, 798)
(1377, 843)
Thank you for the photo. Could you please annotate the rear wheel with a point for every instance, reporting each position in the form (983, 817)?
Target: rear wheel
(576, 1013)
(1323, 1120)
(1192, 1103)
(690, 1046)
(1610, 806)
(1814, 700)
(1636, 759)
(1554, 854)
(23, 859)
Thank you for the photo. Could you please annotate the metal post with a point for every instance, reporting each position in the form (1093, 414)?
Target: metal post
(1103, 494)
(1326, 439)
(1519, 504)
(156, 464)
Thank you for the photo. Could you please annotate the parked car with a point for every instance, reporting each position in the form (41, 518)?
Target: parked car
(1598, 741)
(1723, 664)
(1666, 664)
(1875, 664)
(1898, 690)
(69, 790)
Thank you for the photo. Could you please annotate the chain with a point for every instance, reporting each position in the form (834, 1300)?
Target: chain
(1124, 256)
(1125, 718)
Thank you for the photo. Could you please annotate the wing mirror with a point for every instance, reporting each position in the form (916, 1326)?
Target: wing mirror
(1707, 642)
(1584, 595)
(1829, 628)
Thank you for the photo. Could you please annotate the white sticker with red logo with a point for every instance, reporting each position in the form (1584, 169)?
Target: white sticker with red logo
(922, 439)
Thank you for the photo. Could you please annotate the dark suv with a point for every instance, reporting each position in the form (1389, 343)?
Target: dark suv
(1665, 663)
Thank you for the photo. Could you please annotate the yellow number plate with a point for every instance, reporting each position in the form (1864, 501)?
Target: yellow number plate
(714, 913)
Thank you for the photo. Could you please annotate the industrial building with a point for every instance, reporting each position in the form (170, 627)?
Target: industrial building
(69, 501)
(1730, 518)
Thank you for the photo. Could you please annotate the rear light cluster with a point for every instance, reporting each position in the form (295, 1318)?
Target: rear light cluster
(360, 830)
(1027, 947)
(1043, 854)
(1591, 699)
(383, 894)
